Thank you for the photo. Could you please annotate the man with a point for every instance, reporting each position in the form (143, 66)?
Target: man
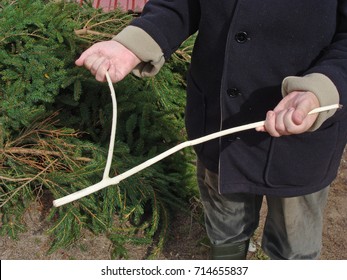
(251, 58)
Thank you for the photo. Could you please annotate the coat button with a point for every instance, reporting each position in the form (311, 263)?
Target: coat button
(233, 92)
(233, 138)
(241, 37)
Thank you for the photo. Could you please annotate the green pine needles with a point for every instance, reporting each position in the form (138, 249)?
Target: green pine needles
(55, 124)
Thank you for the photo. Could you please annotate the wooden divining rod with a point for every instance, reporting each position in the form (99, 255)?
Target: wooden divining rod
(107, 181)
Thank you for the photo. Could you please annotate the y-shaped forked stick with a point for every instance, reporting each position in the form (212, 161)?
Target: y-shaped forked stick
(107, 181)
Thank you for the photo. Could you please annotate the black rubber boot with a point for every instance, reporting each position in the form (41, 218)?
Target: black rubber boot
(230, 251)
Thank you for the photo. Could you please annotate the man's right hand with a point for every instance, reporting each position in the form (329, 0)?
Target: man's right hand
(108, 56)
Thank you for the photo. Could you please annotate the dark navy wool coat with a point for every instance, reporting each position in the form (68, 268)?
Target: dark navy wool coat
(244, 50)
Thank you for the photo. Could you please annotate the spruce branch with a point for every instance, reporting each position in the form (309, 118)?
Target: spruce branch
(38, 76)
(37, 152)
(32, 34)
(10, 179)
(13, 192)
(87, 31)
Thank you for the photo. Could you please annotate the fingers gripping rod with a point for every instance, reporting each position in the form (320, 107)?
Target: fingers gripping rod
(107, 181)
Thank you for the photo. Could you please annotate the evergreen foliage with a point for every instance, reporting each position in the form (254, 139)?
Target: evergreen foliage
(55, 124)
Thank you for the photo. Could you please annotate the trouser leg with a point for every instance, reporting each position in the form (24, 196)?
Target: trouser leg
(230, 251)
(230, 219)
(293, 227)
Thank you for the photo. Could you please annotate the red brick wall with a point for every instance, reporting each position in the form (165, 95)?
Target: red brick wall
(126, 5)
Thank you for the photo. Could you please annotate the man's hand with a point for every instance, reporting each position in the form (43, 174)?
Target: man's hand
(291, 115)
(108, 56)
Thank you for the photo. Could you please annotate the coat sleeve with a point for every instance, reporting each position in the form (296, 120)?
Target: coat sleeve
(169, 22)
(327, 78)
(333, 62)
(159, 31)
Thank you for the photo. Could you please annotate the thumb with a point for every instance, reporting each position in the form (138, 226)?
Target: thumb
(79, 61)
(299, 115)
(84, 55)
(302, 109)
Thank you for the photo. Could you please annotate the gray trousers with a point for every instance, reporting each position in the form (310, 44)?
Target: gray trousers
(293, 226)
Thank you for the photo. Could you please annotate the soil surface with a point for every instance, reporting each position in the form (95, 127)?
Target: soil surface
(187, 235)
